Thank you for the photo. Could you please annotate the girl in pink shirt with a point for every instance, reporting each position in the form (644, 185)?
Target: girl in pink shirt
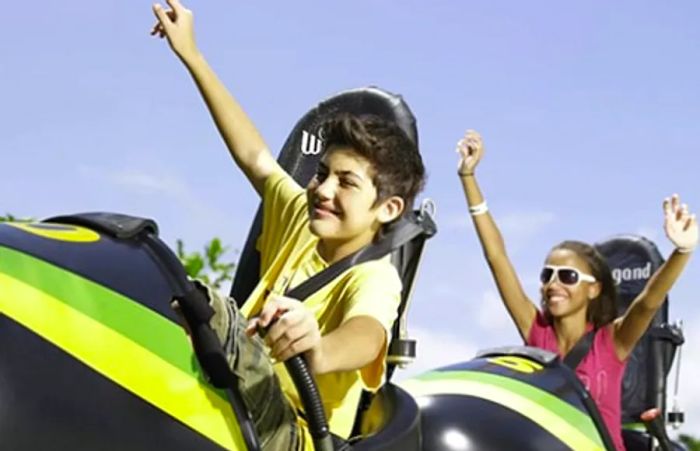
(578, 293)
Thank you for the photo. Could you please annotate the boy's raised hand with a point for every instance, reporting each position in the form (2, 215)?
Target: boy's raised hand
(470, 150)
(680, 226)
(177, 25)
(294, 332)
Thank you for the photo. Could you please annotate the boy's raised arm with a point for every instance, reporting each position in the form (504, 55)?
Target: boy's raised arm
(243, 140)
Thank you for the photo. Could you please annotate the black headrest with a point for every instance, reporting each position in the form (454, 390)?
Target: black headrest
(632, 259)
(302, 150)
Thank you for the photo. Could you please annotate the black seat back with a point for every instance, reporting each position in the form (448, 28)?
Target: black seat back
(633, 260)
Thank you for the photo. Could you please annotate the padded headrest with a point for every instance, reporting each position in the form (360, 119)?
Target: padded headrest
(302, 150)
(300, 154)
(632, 259)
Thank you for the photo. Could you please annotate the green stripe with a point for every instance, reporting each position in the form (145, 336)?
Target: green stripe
(562, 409)
(118, 312)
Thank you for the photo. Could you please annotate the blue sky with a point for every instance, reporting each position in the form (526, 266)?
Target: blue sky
(588, 111)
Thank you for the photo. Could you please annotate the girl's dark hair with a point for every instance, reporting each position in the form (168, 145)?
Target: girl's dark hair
(603, 309)
(397, 164)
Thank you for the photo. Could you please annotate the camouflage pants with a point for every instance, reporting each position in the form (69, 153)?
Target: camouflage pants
(273, 416)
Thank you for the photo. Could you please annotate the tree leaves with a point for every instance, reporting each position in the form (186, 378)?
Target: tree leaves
(207, 266)
(12, 218)
(691, 442)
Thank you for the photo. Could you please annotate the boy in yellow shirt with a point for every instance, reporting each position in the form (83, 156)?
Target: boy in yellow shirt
(368, 177)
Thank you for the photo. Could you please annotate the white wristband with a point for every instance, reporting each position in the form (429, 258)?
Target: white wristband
(685, 250)
(478, 209)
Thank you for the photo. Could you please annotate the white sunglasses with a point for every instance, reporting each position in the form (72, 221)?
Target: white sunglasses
(564, 274)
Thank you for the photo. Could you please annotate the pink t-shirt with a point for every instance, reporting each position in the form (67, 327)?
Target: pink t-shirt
(600, 371)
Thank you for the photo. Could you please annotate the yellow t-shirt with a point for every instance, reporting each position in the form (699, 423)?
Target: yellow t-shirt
(288, 256)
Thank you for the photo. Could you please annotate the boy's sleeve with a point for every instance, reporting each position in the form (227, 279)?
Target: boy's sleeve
(374, 290)
(284, 205)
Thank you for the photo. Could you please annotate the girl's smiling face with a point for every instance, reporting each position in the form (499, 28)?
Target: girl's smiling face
(566, 287)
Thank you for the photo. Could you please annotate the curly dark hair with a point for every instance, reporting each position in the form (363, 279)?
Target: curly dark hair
(603, 309)
(398, 166)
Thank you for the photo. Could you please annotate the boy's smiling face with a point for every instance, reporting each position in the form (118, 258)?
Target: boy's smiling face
(343, 211)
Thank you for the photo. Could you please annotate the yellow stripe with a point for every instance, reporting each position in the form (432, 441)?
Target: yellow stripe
(113, 355)
(558, 427)
(71, 234)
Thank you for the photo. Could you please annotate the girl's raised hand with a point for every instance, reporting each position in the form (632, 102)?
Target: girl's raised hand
(470, 150)
(680, 226)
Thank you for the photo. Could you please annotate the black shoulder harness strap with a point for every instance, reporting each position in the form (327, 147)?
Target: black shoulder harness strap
(580, 349)
(400, 233)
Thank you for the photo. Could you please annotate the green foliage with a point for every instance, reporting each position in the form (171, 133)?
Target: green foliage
(11, 218)
(692, 443)
(208, 265)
